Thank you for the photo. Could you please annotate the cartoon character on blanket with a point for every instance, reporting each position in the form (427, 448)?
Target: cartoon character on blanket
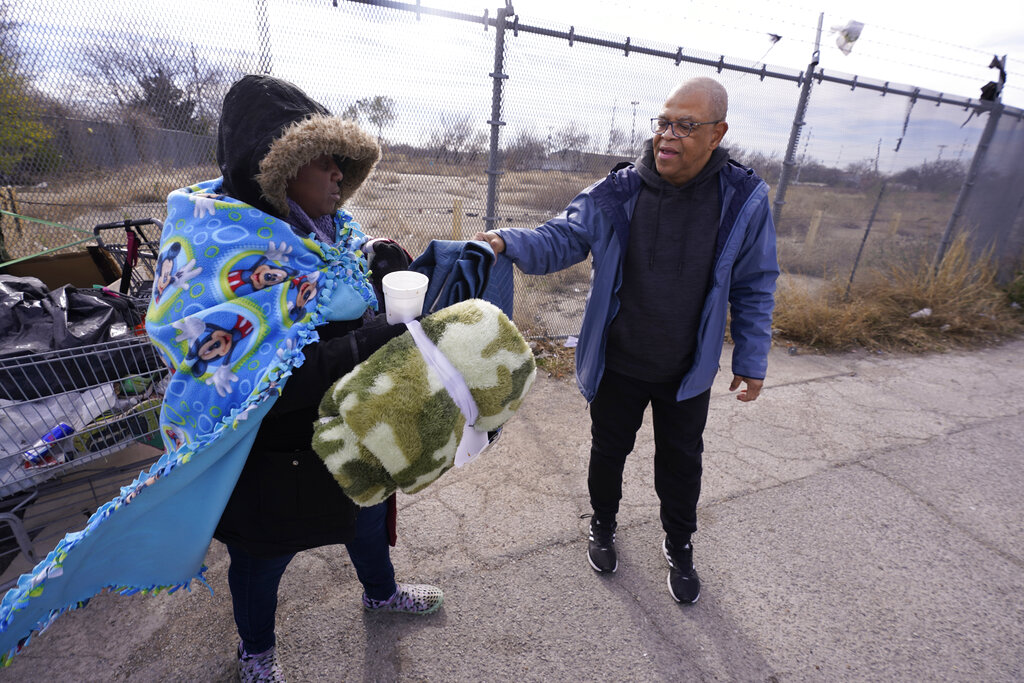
(391, 423)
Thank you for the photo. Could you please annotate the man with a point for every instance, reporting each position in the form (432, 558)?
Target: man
(676, 239)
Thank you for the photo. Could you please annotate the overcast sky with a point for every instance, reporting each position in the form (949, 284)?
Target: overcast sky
(435, 68)
(941, 45)
(937, 44)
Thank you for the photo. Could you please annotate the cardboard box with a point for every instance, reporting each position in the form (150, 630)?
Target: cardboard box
(81, 269)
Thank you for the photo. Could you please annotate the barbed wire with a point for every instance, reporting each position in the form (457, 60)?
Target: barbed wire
(815, 11)
(918, 52)
(867, 40)
(809, 29)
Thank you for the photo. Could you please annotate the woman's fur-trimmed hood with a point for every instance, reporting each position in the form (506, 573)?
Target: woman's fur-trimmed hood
(304, 141)
(269, 129)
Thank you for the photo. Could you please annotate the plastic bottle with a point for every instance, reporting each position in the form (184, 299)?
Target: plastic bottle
(36, 455)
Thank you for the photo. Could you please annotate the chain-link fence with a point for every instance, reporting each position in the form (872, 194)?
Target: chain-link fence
(485, 120)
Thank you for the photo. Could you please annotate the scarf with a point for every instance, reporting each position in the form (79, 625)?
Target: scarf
(237, 296)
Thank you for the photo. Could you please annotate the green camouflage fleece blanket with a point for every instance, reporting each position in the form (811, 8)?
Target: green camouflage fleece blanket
(391, 423)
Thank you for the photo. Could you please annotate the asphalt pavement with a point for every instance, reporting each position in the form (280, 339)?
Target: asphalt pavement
(862, 521)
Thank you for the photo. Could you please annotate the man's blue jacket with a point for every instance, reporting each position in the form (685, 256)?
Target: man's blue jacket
(745, 270)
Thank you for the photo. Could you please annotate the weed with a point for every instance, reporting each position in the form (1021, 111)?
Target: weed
(1015, 290)
(548, 191)
(957, 304)
(552, 356)
(387, 178)
(412, 198)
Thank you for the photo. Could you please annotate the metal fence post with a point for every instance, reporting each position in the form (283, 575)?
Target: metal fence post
(864, 239)
(972, 175)
(263, 29)
(493, 157)
(798, 122)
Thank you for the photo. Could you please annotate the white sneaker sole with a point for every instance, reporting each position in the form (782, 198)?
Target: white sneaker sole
(599, 570)
(668, 580)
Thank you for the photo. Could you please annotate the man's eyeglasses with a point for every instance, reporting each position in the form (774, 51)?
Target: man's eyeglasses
(681, 129)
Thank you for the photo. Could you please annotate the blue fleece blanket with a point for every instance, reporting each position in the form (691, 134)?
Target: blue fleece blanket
(237, 296)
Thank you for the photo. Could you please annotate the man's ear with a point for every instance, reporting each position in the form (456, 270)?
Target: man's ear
(720, 130)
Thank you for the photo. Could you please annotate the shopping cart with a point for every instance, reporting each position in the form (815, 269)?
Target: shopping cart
(135, 254)
(62, 414)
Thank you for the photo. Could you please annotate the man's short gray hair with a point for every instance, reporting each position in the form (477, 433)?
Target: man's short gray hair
(717, 96)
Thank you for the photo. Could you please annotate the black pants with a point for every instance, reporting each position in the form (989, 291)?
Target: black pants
(616, 414)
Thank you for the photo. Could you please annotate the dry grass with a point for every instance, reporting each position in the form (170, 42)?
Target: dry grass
(65, 199)
(552, 356)
(1015, 290)
(464, 192)
(570, 281)
(387, 178)
(81, 201)
(428, 165)
(547, 191)
(906, 224)
(968, 308)
(920, 213)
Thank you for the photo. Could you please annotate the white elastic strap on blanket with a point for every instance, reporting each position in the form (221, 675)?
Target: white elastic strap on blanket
(472, 441)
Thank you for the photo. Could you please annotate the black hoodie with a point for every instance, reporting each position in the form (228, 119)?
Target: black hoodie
(667, 270)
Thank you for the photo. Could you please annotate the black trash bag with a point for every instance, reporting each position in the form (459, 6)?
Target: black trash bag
(26, 316)
(40, 329)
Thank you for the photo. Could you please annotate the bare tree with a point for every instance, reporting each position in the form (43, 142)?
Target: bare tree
(570, 142)
(940, 175)
(378, 110)
(456, 138)
(161, 84)
(862, 174)
(24, 142)
(571, 138)
(768, 165)
(526, 150)
(618, 142)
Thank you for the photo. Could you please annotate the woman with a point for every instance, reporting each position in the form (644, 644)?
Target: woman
(283, 158)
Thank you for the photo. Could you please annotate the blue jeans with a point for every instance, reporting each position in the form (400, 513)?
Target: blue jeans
(253, 581)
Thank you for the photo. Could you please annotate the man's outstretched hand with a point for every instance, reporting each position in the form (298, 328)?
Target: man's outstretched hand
(497, 244)
(751, 392)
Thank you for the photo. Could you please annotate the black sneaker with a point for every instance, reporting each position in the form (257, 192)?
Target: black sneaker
(683, 582)
(601, 548)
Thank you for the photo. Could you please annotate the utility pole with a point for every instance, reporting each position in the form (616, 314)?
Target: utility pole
(941, 147)
(611, 131)
(266, 60)
(632, 137)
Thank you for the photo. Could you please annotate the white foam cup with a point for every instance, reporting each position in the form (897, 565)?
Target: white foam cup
(403, 295)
